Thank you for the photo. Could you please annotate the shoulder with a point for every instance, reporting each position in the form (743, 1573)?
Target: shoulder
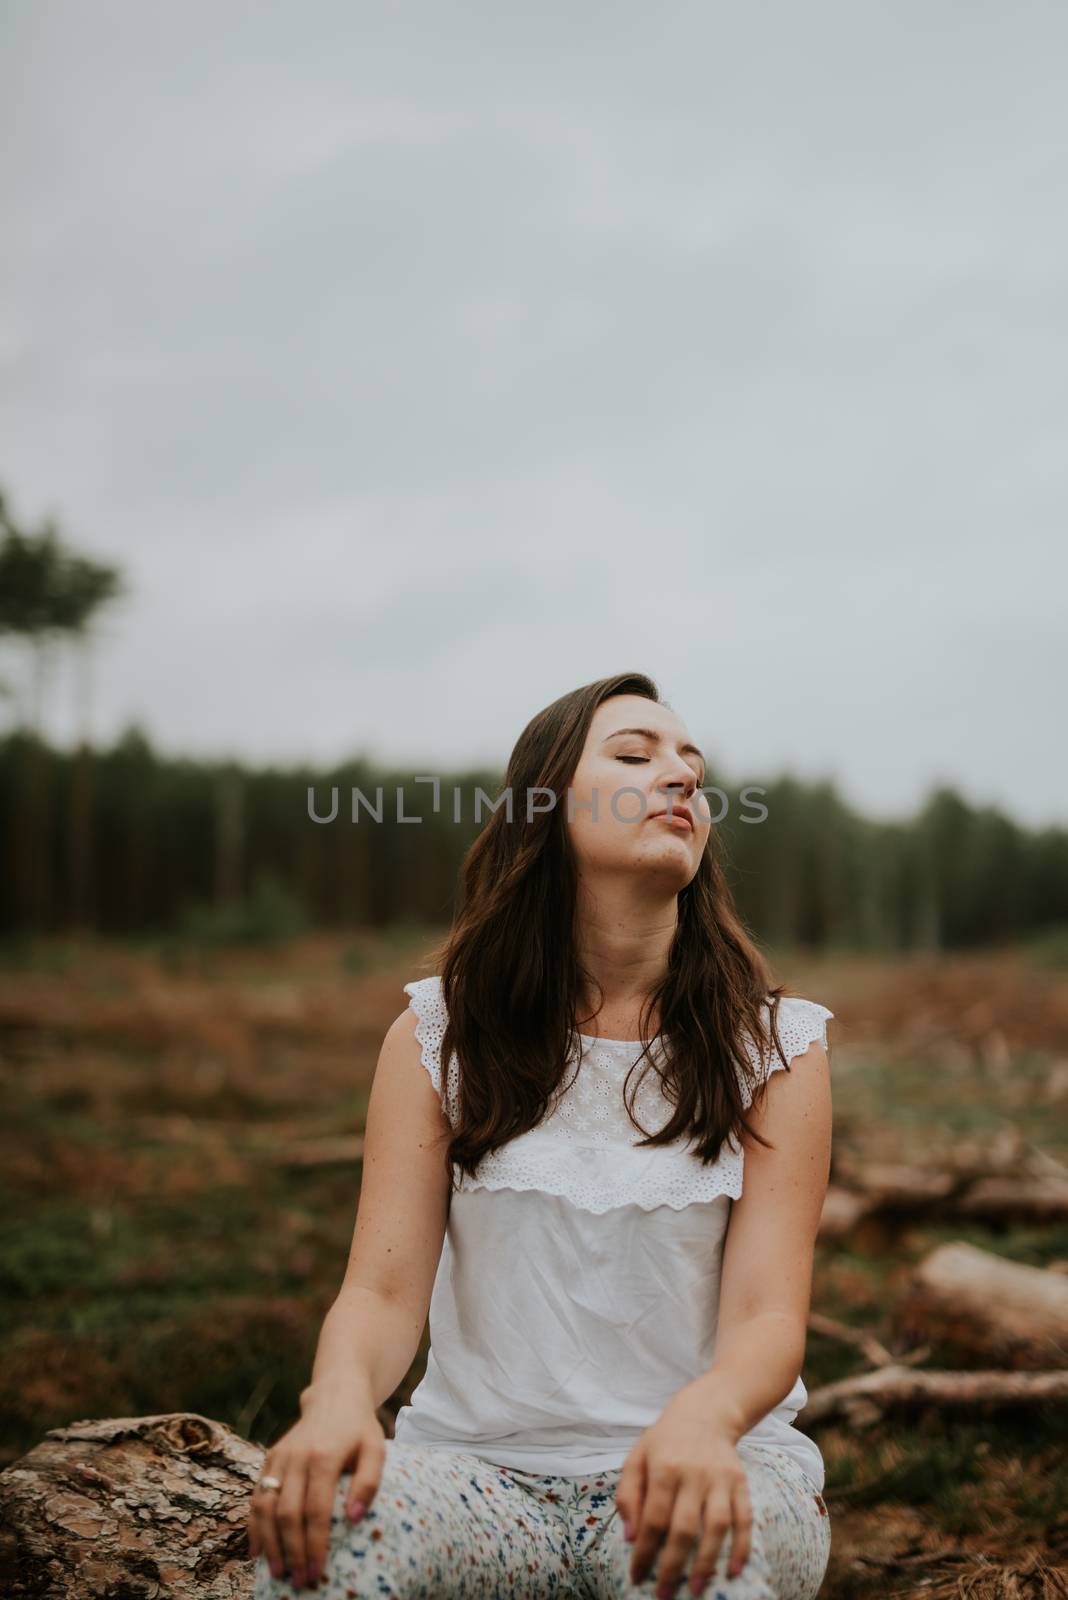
(424, 992)
(794, 1024)
(799, 1022)
(426, 1001)
(399, 1071)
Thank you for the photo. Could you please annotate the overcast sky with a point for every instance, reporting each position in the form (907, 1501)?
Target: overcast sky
(419, 363)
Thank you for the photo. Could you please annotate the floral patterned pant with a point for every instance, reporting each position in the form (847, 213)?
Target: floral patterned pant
(448, 1523)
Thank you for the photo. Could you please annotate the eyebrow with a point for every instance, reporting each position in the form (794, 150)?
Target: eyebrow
(651, 734)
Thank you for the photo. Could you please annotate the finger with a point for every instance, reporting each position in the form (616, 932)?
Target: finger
(654, 1523)
(741, 1529)
(318, 1511)
(365, 1478)
(289, 1517)
(263, 1517)
(683, 1534)
(630, 1493)
(716, 1521)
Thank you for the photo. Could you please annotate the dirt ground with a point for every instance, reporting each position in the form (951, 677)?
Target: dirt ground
(180, 1145)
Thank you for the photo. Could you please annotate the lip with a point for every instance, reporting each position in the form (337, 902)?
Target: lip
(678, 815)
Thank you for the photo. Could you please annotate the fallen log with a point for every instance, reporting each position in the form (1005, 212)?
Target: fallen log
(149, 1508)
(896, 1184)
(1042, 1198)
(886, 1191)
(842, 1210)
(1013, 1315)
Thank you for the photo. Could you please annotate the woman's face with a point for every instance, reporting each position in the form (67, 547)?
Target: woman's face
(639, 764)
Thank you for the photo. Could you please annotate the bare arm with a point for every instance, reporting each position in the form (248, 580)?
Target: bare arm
(371, 1333)
(685, 1479)
(766, 1284)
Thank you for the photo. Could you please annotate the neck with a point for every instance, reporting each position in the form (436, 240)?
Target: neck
(623, 936)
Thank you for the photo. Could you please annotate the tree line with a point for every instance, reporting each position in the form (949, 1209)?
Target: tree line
(170, 837)
(128, 841)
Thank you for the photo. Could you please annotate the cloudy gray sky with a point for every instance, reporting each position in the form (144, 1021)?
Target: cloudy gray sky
(418, 363)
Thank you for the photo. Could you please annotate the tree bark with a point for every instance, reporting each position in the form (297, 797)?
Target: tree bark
(146, 1508)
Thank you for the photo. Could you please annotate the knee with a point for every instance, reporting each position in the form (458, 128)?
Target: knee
(391, 1546)
(393, 1543)
(409, 1484)
(395, 1506)
(754, 1582)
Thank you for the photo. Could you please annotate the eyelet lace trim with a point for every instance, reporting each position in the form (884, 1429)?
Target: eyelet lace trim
(585, 1148)
(800, 1023)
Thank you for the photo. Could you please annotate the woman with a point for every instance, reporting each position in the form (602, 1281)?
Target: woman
(617, 1330)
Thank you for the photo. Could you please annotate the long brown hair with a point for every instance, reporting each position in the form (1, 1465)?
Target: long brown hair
(512, 980)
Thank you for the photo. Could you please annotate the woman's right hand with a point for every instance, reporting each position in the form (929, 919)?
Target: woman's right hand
(338, 1432)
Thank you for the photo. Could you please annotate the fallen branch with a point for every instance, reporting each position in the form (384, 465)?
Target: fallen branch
(869, 1395)
(865, 1342)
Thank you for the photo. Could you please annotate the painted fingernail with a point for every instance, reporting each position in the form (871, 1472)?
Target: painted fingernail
(298, 1577)
(628, 1530)
(356, 1510)
(665, 1591)
(313, 1576)
(277, 1569)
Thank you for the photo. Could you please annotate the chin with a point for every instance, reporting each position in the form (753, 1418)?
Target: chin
(676, 867)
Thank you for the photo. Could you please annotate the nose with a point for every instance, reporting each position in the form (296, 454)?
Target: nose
(686, 780)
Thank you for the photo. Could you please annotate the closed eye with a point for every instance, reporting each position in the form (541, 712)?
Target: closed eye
(700, 776)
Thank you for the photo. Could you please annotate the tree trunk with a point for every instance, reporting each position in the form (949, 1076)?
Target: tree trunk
(229, 836)
(82, 910)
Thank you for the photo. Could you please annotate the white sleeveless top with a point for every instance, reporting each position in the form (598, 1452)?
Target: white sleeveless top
(578, 1286)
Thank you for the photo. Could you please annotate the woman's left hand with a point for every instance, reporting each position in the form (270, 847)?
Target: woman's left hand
(685, 1482)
